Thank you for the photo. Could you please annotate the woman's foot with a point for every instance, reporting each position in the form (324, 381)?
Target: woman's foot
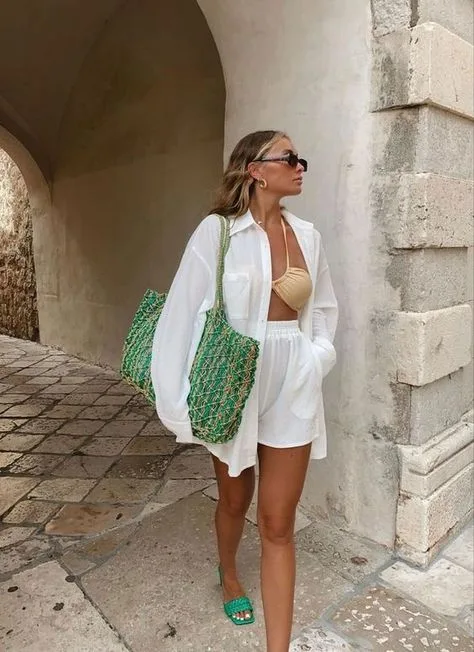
(232, 589)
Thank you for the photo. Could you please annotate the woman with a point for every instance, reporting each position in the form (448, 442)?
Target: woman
(277, 289)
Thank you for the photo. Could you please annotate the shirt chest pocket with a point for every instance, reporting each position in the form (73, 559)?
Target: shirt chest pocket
(236, 286)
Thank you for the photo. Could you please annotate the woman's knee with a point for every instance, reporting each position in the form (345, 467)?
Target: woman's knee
(234, 505)
(235, 494)
(276, 529)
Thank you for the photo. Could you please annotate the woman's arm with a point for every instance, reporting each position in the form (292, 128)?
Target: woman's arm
(181, 321)
(325, 313)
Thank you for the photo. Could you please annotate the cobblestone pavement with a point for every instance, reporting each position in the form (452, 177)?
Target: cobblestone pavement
(79, 449)
(97, 501)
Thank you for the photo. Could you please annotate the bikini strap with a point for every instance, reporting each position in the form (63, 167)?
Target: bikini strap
(286, 243)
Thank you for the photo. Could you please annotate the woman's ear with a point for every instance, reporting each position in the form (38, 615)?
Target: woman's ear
(253, 170)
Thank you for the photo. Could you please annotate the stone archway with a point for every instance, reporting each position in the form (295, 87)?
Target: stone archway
(25, 202)
(133, 155)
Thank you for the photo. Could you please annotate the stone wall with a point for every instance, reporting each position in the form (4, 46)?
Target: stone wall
(18, 313)
(422, 203)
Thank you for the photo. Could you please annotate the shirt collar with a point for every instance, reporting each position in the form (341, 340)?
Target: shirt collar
(246, 220)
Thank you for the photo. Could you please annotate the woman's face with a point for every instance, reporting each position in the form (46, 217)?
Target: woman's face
(282, 178)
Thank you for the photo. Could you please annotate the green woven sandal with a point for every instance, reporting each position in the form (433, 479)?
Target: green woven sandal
(233, 607)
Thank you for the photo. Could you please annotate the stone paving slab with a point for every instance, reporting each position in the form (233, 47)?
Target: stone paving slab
(12, 489)
(84, 519)
(42, 611)
(83, 466)
(122, 490)
(62, 489)
(461, 550)
(139, 466)
(41, 425)
(8, 458)
(391, 622)
(350, 556)
(320, 638)
(174, 490)
(10, 424)
(27, 553)
(12, 535)
(108, 446)
(60, 444)
(35, 464)
(31, 511)
(444, 586)
(191, 466)
(20, 442)
(172, 561)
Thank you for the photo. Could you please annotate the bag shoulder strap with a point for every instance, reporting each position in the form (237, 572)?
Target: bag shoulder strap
(223, 247)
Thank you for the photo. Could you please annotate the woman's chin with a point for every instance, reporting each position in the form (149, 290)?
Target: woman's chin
(296, 190)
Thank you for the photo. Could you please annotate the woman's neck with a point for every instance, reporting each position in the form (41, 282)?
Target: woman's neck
(265, 210)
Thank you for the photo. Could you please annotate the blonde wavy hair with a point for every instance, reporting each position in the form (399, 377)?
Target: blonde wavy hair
(237, 187)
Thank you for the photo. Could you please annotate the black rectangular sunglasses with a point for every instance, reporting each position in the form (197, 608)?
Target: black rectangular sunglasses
(291, 159)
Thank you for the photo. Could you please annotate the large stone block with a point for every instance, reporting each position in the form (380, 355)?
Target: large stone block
(390, 16)
(455, 15)
(432, 211)
(424, 210)
(423, 522)
(429, 279)
(423, 139)
(432, 344)
(424, 468)
(424, 65)
(439, 405)
(442, 69)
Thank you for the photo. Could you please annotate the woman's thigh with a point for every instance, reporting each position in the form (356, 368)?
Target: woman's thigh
(282, 473)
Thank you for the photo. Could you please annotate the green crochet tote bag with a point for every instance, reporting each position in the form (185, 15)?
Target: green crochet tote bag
(223, 370)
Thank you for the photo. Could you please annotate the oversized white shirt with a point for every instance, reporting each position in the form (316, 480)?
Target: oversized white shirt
(247, 284)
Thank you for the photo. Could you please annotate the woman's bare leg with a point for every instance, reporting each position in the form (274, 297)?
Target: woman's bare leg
(235, 495)
(282, 475)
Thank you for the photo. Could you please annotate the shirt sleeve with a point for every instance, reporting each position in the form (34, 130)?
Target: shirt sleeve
(325, 314)
(180, 328)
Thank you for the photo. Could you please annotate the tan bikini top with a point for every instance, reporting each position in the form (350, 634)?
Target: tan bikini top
(294, 287)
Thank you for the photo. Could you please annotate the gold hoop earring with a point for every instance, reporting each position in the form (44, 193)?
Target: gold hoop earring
(262, 183)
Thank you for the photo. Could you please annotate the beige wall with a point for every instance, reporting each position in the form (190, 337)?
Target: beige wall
(139, 152)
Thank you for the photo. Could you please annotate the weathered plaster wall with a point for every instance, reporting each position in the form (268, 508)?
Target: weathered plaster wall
(18, 312)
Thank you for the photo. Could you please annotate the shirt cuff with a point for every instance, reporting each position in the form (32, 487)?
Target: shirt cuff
(182, 429)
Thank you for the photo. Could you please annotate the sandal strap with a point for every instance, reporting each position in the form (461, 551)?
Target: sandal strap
(238, 604)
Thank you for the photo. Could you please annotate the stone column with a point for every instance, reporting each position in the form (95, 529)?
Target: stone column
(422, 202)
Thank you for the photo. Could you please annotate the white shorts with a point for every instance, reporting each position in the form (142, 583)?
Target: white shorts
(290, 380)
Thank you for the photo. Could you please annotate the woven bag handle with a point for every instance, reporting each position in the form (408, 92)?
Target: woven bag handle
(223, 247)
